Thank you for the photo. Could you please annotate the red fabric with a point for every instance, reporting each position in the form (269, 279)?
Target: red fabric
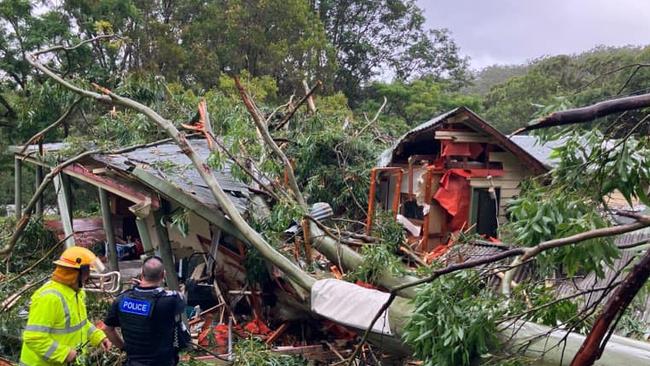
(454, 193)
(469, 149)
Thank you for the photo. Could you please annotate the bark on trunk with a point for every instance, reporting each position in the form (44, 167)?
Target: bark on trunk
(594, 344)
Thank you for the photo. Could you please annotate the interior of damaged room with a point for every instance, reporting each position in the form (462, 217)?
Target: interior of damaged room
(310, 215)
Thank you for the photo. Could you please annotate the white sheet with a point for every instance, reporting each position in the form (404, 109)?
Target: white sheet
(349, 304)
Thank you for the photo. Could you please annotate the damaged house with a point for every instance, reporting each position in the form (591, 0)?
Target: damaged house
(454, 172)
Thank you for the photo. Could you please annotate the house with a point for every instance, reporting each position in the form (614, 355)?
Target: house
(454, 172)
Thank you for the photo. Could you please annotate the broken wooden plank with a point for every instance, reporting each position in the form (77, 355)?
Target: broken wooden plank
(64, 210)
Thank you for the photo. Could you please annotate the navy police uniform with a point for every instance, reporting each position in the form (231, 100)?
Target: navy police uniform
(150, 319)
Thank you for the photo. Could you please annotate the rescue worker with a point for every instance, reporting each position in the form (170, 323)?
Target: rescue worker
(58, 327)
(150, 319)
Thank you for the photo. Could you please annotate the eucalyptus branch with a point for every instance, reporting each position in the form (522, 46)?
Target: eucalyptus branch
(244, 168)
(642, 221)
(86, 41)
(47, 129)
(589, 113)
(524, 254)
(293, 109)
(268, 140)
(370, 122)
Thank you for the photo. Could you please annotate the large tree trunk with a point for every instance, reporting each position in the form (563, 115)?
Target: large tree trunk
(589, 113)
(593, 346)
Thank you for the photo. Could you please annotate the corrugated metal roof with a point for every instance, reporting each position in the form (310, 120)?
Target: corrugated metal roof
(541, 151)
(167, 162)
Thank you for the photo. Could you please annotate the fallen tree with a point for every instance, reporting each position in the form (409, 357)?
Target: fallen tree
(397, 308)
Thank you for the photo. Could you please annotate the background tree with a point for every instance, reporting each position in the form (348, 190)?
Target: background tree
(387, 36)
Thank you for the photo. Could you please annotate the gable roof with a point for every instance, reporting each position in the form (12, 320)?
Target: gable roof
(474, 121)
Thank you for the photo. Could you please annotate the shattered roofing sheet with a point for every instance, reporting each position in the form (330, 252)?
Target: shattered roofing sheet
(387, 155)
(167, 162)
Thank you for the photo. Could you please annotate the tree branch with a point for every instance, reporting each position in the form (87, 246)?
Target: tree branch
(268, 139)
(47, 129)
(86, 41)
(294, 108)
(589, 113)
(266, 250)
(594, 345)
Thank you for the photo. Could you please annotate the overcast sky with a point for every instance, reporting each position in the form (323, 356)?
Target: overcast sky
(514, 31)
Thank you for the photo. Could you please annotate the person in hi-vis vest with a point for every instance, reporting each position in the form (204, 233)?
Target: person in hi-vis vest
(58, 327)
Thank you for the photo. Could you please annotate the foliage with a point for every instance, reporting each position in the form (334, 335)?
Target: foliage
(419, 100)
(533, 295)
(256, 268)
(598, 167)
(251, 352)
(370, 35)
(388, 230)
(331, 157)
(454, 320)
(541, 213)
(31, 246)
(178, 219)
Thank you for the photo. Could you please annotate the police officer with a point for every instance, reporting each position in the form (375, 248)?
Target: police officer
(150, 319)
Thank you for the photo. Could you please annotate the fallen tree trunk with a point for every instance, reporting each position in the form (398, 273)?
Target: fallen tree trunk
(594, 345)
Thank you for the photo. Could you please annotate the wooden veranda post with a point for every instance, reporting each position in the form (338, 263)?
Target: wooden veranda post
(165, 249)
(145, 238)
(18, 187)
(39, 180)
(107, 221)
(64, 209)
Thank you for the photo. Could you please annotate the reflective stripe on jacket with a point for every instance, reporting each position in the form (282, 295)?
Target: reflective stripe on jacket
(57, 323)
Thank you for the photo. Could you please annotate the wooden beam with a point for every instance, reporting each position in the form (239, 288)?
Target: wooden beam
(38, 180)
(18, 187)
(145, 238)
(64, 210)
(67, 186)
(165, 250)
(174, 194)
(118, 188)
(107, 221)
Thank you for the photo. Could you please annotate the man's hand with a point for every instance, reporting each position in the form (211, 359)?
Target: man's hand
(71, 356)
(106, 344)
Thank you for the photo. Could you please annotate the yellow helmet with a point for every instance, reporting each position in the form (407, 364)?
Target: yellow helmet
(76, 257)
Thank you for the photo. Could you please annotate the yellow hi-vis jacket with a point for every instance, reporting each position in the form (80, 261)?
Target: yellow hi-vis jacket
(57, 323)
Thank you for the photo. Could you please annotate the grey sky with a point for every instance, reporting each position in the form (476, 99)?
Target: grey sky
(514, 31)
